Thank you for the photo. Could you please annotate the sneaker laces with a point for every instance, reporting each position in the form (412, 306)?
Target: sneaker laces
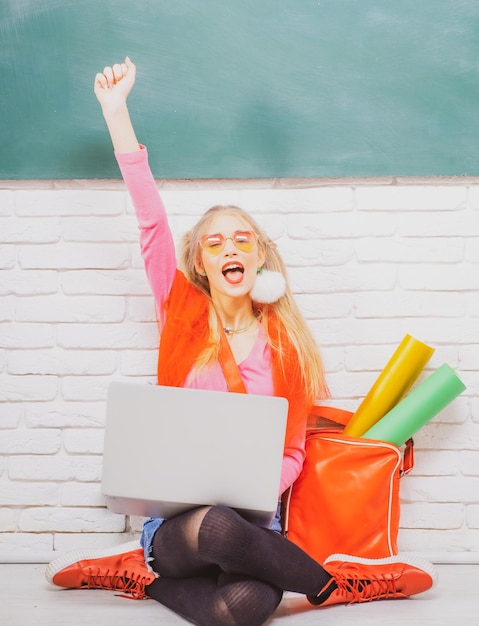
(132, 585)
(365, 590)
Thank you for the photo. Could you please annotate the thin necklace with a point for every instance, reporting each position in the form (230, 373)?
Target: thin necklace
(236, 331)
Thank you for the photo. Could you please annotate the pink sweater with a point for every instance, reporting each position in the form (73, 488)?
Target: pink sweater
(158, 252)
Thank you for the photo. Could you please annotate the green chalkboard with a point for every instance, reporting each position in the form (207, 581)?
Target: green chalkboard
(246, 88)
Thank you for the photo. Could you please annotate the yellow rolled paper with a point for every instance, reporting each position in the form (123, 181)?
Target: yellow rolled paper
(400, 373)
(418, 407)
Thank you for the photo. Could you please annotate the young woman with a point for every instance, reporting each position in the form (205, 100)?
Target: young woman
(210, 565)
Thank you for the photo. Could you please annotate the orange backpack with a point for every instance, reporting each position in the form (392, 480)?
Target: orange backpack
(346, 498)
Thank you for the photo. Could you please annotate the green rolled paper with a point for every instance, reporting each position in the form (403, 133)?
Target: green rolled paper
(418, 407)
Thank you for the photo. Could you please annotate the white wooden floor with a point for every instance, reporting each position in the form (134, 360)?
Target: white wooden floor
(27, 599)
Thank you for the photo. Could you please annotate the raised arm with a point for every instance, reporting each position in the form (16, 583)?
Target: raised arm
(112, 88)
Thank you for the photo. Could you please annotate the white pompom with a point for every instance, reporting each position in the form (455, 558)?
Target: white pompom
(269, 287)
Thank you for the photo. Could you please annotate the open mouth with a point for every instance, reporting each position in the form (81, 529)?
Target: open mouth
(233, 272)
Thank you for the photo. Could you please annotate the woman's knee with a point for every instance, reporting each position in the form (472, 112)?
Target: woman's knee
(251, 602)
(222, 516)
(223, 524)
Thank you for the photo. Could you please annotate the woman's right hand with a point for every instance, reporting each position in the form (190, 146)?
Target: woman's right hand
(113, 85)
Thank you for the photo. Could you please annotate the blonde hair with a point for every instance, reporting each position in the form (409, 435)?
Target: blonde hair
(285, 309)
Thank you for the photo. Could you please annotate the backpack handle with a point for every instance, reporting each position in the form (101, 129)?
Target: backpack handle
(331, 413)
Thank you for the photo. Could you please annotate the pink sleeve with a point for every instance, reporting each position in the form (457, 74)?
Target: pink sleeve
(156, 241)
(293, 460)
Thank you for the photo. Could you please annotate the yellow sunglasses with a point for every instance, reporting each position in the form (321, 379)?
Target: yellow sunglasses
(244, 240)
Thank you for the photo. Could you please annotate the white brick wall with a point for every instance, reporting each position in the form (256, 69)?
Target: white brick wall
(369, 261)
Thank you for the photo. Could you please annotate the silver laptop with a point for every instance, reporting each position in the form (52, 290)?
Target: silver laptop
(170, 449)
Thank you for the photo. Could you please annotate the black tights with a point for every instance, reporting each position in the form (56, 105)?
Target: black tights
(217, 569)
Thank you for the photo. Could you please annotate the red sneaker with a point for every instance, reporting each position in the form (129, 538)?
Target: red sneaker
(363, 580)
(124, 571)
